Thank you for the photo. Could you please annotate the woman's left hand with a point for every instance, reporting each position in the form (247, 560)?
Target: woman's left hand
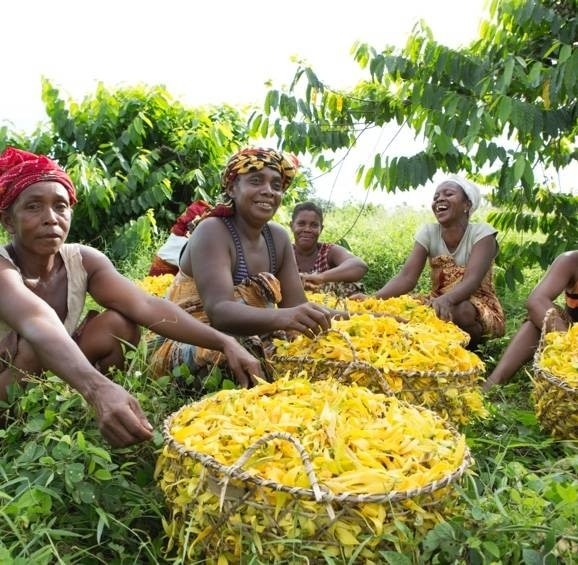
(245, 366)
(311, 281)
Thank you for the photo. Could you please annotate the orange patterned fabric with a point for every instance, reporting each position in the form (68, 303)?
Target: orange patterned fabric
(161, 267)
(262, 291)
(445, 274)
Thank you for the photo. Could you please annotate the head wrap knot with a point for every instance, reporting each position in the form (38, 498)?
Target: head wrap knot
(19, 169)
(470, 189)
(254, 159)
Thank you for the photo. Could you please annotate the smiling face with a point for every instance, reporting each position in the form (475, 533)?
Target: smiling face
(450, 203)
(257, 195)
(39, 219)
(306, 228)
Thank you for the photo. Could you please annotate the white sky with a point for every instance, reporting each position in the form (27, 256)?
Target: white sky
(206, 51)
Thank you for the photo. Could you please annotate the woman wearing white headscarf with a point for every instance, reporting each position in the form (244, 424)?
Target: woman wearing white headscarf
(461, 255)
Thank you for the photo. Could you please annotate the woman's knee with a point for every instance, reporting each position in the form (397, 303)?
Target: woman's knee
(465, 314)
(107, 331)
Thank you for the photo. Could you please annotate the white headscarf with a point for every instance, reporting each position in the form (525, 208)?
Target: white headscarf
(472, 191)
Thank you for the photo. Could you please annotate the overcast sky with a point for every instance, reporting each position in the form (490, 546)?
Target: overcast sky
(204, 51)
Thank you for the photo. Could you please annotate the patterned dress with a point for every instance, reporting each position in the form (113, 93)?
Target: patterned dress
(448, 268)
(340, 288)
(261, 290)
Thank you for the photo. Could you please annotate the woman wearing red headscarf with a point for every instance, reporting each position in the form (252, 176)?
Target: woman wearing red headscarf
(44, 283)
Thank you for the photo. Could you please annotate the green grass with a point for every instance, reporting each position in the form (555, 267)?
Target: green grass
(66, 498)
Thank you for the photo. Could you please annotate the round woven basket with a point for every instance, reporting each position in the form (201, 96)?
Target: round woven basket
(233, 513)
(454, 395)
(555, 400)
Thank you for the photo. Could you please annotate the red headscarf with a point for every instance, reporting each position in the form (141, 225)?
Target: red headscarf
(19, 169)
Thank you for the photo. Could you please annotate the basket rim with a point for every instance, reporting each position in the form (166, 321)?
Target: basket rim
(540, 372)
(318, 493)
(399, 372)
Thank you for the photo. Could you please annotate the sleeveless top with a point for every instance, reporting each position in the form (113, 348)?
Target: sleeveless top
(77, 285)
(322, 259)
(241, 271)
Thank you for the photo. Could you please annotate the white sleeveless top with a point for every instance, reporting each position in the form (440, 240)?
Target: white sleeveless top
(77, 286)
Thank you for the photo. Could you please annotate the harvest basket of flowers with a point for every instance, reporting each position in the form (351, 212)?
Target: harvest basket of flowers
(308, 468)
(406, 309)
(414, 361)
(555, 379)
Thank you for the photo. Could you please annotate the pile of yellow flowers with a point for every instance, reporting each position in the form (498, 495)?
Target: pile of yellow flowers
(357, 444)
(419, 364)
(156, 286)
(404, 308)
(555, 402)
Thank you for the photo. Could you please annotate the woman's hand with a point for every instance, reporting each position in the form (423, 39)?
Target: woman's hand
(358, 296)
(120, 418)
(311, 281)
(245, 366)
(309, 318)
(443, 308)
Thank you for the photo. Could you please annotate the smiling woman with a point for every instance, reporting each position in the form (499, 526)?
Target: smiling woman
(238, 265)
(44, 283)
(461, 256)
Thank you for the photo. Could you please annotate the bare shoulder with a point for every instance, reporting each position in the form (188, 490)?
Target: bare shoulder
(568, 263)
(209, 226)
(278, 232)
(93, 259)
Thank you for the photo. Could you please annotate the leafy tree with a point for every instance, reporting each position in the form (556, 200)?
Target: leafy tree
(137, 156)
(503, 110)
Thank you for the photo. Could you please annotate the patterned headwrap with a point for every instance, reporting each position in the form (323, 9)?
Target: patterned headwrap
(19, 169)
(254, 159)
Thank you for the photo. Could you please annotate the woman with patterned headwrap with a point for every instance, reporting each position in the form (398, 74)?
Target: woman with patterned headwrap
(44, 284)
(461, 255)
(237, 271)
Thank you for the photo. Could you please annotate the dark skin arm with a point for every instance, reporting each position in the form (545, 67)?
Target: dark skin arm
(480, 261)
(121, 420)
(406, 280)
(561, 275)
(478, 264)
(345, 266)
(209, 257)
(115, 292)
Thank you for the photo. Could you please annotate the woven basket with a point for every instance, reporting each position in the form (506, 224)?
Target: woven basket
(234, 515)
(456, 395)
(351, 372)
(555, 400)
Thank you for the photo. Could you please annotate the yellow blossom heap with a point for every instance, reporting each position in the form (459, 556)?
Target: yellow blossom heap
(418, 361)
(339, 468)
(555, 383)
(404, 308)
(157, 285)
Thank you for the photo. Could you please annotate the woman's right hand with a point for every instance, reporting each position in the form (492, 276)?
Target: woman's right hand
(120, 417)
(308, 318)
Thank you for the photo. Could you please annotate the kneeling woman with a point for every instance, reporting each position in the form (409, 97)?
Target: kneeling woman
(237, 271)
(461, 255)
